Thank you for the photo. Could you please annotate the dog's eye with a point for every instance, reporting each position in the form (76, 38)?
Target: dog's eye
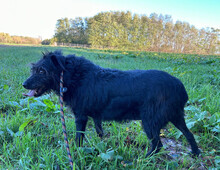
(41, 71)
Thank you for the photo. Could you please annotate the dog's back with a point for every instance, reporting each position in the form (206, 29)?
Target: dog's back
(122, 95)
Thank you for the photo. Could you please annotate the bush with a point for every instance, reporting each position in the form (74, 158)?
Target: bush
(46, 42)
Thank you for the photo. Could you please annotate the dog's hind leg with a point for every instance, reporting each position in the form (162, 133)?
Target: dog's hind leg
(80, 129)
(181, 125)
(153, 134)
(98, 127)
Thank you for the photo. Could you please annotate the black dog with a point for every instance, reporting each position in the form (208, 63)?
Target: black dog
(153, 96)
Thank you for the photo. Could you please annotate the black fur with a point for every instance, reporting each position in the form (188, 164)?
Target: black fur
(153, 96)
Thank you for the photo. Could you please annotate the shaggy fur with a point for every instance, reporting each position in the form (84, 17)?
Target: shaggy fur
(153, 96)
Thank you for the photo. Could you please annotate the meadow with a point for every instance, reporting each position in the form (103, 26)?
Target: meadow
(31, 132)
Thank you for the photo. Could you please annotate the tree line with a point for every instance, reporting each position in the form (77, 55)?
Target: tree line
(6, 38)
(123, 30)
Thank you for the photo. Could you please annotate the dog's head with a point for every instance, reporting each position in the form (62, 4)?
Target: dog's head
(45, 74)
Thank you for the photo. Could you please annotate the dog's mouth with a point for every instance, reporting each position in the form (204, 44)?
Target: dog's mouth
(34, 93)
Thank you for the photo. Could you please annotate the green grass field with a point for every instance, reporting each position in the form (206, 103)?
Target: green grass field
(31, 132)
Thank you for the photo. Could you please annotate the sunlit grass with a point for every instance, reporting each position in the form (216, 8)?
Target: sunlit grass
(41, 145)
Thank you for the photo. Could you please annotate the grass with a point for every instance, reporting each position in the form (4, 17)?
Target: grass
(31, 133)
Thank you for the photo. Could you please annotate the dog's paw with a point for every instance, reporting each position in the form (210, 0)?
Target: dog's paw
(195, 154)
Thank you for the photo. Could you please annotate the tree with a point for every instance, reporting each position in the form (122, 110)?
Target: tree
(62, 30)
(122, 30)
(78, 31)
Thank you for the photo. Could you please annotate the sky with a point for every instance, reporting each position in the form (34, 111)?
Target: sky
(37, 18)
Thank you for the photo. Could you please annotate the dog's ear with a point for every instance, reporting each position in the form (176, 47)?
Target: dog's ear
(59, 61)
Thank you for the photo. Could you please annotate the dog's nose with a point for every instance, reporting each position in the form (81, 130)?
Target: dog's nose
(24, 85)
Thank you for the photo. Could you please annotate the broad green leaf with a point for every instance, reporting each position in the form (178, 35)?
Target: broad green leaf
(119, 157)
(212, 120)
(178, 134)
(216, 129)
(13, 103)
(107, 156)
(190, 124)
(5, 87)
(202, 116)
(29, 122)
(201, 100)
(101, 146)
(48, 102)
(87, 150)
(217, 161)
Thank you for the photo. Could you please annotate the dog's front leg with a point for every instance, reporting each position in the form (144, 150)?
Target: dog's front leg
(81, 122)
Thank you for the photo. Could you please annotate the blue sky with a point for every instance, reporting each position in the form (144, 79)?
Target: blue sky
(38, 17)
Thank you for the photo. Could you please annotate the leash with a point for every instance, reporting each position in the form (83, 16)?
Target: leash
(62, 90)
